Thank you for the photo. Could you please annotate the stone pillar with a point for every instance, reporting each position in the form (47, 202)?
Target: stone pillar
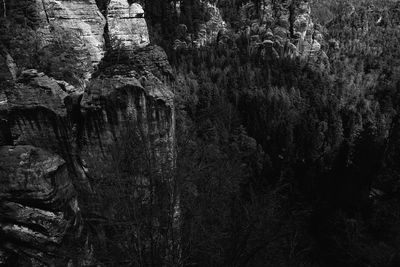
(127, 27)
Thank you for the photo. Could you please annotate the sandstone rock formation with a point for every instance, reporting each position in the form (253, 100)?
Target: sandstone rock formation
(39, 211)
(288, 25)
(78, 17)
(39, 111)
(55, 137)
(277, 28)
(126, 25)
(125, 96)
(209, 30)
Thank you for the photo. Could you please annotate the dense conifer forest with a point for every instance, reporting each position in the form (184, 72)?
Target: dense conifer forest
(293, 163)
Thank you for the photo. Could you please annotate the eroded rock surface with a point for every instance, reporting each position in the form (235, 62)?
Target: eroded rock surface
(277, 28)
(39, 211)
(131, 94)
(81, 18)
(209, 30)
(126, 25)
(284, 20)
(75, 131)
(55, 137)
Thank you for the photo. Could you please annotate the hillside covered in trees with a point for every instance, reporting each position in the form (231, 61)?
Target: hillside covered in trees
(248, 133)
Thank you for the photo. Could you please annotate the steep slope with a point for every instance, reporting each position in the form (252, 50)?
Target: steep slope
(65, 132)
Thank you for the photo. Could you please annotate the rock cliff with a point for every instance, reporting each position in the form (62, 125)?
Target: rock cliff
(61, 143)
(126, 24)
(56, 137)
(279, 28)
(79, 17)
(38, 204)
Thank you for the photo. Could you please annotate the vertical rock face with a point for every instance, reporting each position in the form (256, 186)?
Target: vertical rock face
(53, 136)
(124, 96)
(78, 17)
(126, 25)
(285, 27)
(39, 173)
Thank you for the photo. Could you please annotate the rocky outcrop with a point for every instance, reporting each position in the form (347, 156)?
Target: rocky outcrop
(130, 95)
(209, 30)
(56, 138)
(81, 18)
(65, 135)
(36, 111)
(127, 27)
(73, 133)
(40, 211)
(40, 216)
(8, 68)
(284, 28)
(33, 89)
(276, 28)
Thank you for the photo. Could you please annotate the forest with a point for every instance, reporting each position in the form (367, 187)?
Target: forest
(281, 160)
(293, 163)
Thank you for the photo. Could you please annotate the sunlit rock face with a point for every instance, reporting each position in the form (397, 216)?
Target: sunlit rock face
(127, 27)
(284, 28)
(81, 18)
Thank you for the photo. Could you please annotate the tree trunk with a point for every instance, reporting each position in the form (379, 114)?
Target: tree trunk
(4, 9)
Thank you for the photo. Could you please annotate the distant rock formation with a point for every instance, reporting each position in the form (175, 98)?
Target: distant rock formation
(284, 28)
(278, 28)
(209, 30)
(126, 25)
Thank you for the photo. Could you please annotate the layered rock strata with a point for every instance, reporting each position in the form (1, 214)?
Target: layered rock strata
(81, 18)
(127, 27)
(38, 205)
(55, 137)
